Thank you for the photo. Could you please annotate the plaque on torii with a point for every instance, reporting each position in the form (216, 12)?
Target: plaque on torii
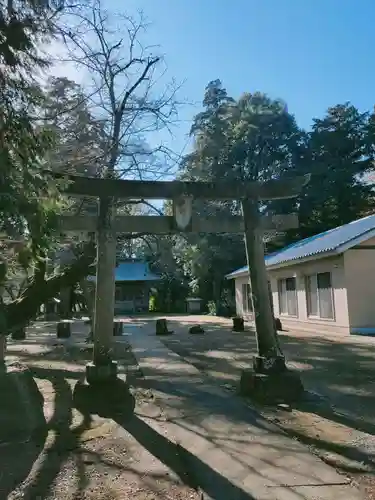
(252, 224)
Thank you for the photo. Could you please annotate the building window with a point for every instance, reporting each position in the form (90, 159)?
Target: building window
(247, 303)
(287, 292)
(319, 296)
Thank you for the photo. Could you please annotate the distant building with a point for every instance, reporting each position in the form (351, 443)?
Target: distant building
(133, 284)
(322, 283)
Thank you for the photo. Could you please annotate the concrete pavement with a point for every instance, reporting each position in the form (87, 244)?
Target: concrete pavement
(231, 451)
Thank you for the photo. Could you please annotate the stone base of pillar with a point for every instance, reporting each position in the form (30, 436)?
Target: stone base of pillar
(283, 386)
(109, 400)
(101, 373)
(238, 324)
(19, 334)
(269, 364)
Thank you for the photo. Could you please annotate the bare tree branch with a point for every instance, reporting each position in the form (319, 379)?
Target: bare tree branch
(127, 93)
(126, 90)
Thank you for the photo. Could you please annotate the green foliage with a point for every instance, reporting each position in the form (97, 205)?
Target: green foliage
(160, 252)
(256, 138)
(152, 304)
(80, 143)
(211, 308)
(23, 25)
(29, 199)
(340, 150)
(339, 153)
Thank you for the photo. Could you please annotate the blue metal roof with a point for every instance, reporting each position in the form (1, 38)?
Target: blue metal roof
(329, 241)
(133, 271)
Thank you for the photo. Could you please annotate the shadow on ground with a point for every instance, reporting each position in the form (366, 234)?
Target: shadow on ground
(59, 437)
(37, 476)
(19, 442)
(118, 404)
(343, 373)
(334, 370)
(339, 375)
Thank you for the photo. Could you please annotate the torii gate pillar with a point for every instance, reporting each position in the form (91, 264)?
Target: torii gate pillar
(268, 379)
(103, 368)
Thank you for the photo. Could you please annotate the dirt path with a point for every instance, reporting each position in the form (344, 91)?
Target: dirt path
(83, 455)
(338, 422)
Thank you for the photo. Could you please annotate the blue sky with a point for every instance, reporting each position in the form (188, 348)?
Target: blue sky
(311, 53)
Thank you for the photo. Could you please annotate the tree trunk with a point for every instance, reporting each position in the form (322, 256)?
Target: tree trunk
(3, 339)
(89, 299)
(3, 348)
(18, 313)
(216, 293)
(65, 306)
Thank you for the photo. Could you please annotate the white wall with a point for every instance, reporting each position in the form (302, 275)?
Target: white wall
(360, 274)
(238, 296)
(339, 324)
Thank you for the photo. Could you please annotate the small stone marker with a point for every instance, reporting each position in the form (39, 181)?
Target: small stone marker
(117, 328)
(19, 334)
(238, 324)
(90, 337)
(196, 329)
(63, 329)
(278, 325)
(162, 327)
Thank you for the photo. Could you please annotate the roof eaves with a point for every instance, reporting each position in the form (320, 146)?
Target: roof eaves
(303, 259)
(152, 277)
(234, 275)
(239, 272)
(289, 262)
(356, 241)
(326, 252)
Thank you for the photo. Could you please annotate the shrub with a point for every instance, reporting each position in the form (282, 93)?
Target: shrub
(211, 306)
(152, 304)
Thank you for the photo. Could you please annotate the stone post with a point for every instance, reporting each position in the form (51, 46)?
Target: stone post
(103, 368)
(269, 380)
(268, 348)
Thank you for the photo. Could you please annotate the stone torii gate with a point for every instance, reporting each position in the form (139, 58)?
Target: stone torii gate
(269, 360)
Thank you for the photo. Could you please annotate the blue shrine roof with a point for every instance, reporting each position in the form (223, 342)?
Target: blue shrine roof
(132, 271)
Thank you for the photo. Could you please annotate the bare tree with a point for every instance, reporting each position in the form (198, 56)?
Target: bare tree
(126, 93)
(126, 90)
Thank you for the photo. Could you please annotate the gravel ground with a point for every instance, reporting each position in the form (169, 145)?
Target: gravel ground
(96, 458)
(337, 421)
(82, 456)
